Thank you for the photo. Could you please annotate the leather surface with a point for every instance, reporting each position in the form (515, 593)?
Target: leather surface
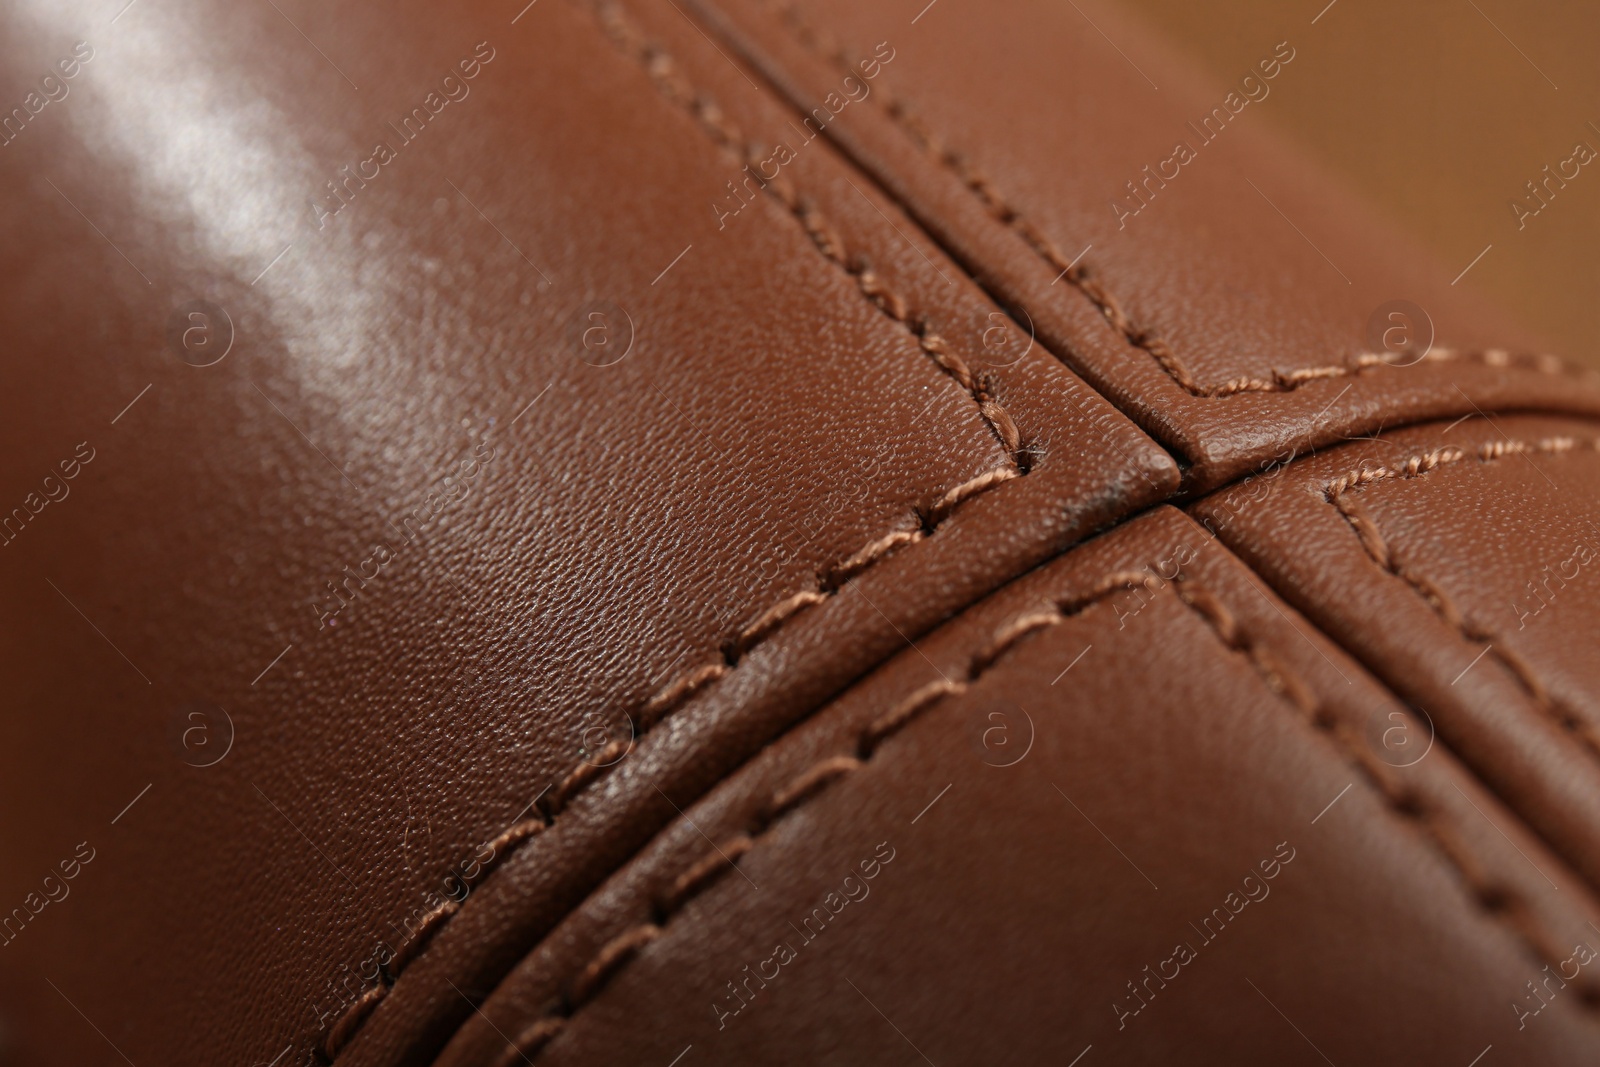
(1080, 826)
(1240, 293)
(444, 451)
(419, 602)
(1457, 560)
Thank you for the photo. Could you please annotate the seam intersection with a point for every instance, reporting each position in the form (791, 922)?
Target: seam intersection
(675, 87)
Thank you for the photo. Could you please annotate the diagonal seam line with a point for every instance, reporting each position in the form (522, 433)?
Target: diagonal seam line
(901, 232)
(850, 160)
(1099, 592)
(850, 164)
(1379, 679)
(736, 38)
(718, 47)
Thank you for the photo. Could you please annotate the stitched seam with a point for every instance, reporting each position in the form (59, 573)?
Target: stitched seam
(1498, 901)
(661, 68)
(1377, 548)
(664, 74)
(1081, 275)
(708, 115)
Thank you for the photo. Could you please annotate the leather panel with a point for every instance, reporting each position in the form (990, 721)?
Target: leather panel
(547, 474)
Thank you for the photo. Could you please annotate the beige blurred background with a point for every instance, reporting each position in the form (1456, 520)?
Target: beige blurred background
(1440, 112)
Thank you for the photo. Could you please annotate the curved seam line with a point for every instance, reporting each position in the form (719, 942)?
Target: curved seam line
(1377, 549)
(672, 84)
(662, 70)
(1498, 902)
(1078, 273)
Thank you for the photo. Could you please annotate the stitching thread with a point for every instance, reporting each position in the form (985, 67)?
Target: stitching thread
(1080, 275)
(1500, 902)
(665, 76)
(672, 84)
(1372, 540)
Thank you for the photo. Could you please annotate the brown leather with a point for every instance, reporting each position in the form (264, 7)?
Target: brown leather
(1049, 874)
(1210, 310)
(1453, 559)
(567, 501)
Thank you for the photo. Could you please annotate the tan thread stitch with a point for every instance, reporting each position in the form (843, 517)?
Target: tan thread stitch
(774, 616)
(425, 930)
(1081, 276)
(1377, 547)
(694, 879)
(360, 1009)
(664, 75)
(609, 959)
(905, 711)
(665, 700)
(680, 689)
(356, 1013)
(535, 1037)
(353, 1017)
(1498, 901)
(674, 694)
(868, 555)
(810, 784)
(664, 72)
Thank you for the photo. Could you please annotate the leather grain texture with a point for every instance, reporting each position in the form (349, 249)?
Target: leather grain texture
(1454, 558)
(1130, 827)
(467, 463)
(1188, 290)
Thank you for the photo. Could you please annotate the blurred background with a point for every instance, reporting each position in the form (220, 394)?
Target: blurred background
(1440, 112)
